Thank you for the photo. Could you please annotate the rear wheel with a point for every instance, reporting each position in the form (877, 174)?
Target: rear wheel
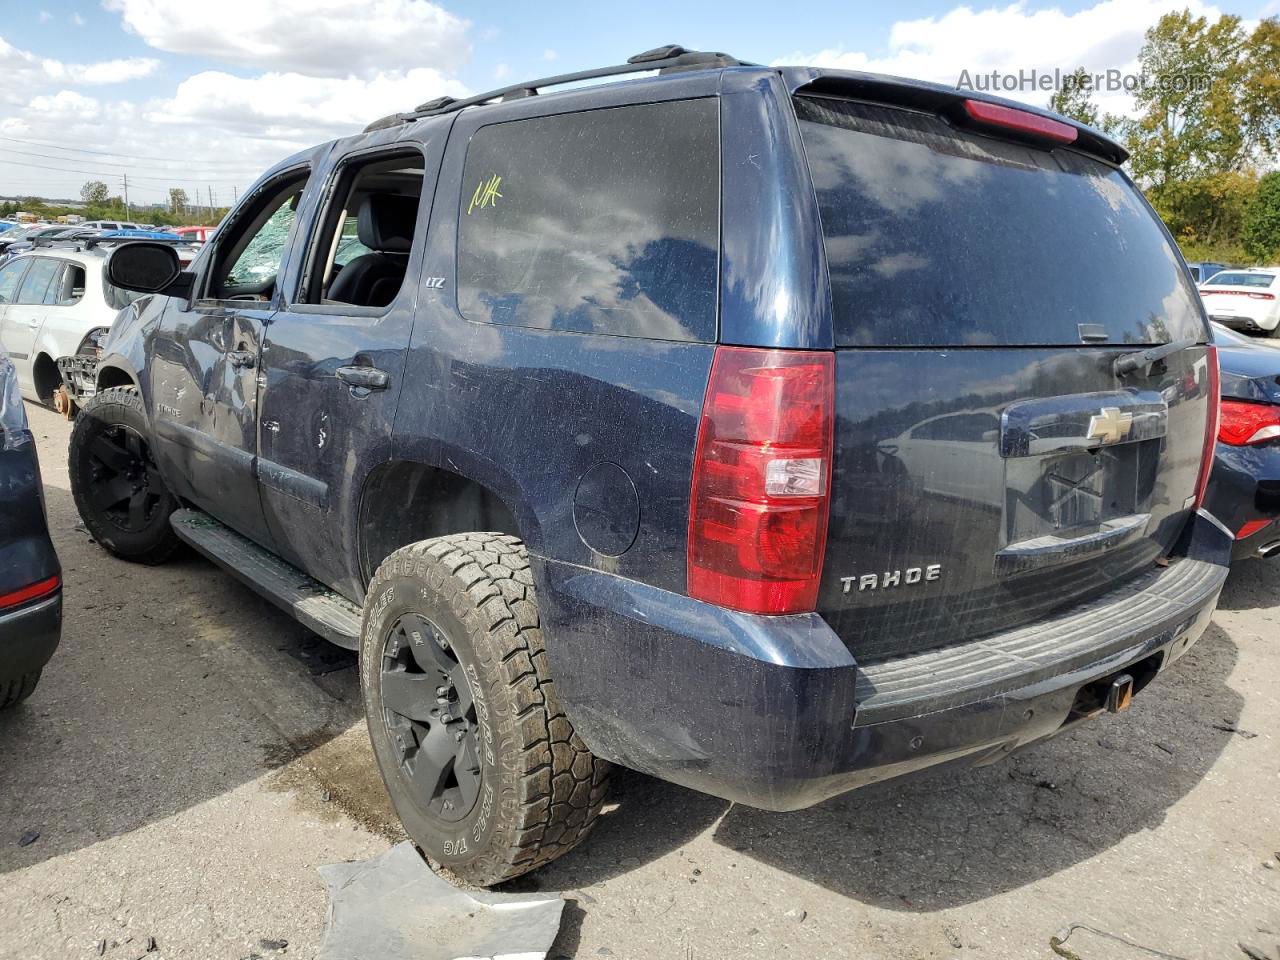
(482, 765)
(13, 692)
(123, 502)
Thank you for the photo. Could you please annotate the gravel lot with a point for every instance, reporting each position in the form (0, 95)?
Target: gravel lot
(192, 756)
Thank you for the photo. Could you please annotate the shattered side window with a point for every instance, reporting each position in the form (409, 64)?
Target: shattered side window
(261, 258)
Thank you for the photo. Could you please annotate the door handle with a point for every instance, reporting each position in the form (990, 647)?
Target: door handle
(371, 378)
(241, 358)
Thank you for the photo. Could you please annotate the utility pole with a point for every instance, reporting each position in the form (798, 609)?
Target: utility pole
(126, 197)
(210, 201)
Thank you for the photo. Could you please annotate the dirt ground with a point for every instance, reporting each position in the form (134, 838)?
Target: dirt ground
(192, 755)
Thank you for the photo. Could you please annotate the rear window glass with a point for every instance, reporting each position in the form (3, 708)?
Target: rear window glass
(1241, 280)
(605, 221)
(938, 237)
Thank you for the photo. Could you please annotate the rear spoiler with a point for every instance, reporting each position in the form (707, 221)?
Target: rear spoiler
(937, 99)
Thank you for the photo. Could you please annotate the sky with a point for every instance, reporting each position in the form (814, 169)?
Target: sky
(206, 94)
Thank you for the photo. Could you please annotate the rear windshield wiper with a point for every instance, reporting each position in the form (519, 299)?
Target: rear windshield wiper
(1127, 363)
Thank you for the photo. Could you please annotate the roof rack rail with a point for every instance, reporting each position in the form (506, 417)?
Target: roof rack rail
(671, 58)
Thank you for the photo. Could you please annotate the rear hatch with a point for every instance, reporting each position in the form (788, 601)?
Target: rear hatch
(1242, 298)
(991, 466)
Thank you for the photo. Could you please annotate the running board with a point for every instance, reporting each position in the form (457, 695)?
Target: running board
(309, 601)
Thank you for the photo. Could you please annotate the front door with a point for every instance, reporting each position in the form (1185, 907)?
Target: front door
(204, 364)
(10, 278)
(334, 355)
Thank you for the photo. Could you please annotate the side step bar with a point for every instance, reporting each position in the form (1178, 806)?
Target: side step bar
(311, 603)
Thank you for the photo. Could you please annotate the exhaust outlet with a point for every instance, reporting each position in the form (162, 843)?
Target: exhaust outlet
(1269, 549)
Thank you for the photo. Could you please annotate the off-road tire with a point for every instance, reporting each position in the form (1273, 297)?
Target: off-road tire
(543, 786)
(116, 407)
(14, 691)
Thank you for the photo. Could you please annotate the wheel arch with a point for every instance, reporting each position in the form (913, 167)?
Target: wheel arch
(45, 377)
(403, 501)
(114, 374)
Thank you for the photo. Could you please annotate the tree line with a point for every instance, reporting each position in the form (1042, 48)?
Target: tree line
(1206, 136)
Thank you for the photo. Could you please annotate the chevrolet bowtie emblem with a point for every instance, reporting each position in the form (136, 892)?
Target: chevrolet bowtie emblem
(1110, 426)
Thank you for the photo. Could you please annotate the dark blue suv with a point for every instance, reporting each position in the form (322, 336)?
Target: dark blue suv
(771, 431)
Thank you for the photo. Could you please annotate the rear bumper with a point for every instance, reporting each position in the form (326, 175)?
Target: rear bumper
(1244, 488)
(29, 635)
(775, 713)
(1249, 324)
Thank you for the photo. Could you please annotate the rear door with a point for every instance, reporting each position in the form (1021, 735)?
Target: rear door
(991, 466)
(334, 355)
(24, 317)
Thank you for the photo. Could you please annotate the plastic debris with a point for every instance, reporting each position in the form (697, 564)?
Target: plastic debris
(394, 907)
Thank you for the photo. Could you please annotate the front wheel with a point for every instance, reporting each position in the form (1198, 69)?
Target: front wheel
(123, 502)
(482, 765)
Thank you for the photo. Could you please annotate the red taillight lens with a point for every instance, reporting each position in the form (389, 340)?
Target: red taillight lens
(1244, 423)
(1211, 423)
(1253, 526)
(761, 480)
(41, 589)
(994, 115)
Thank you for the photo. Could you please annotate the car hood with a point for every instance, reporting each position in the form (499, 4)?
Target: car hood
(1250, 372)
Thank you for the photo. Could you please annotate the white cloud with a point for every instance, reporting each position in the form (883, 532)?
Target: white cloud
(77, 19)
(45, 16)
(1105, 36)
(291, 106)
(25, 73)
(328, 38)
(549, 54)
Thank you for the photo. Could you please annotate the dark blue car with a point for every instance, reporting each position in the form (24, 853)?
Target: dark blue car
(771, 431)
(30, 576)
(1244, 489)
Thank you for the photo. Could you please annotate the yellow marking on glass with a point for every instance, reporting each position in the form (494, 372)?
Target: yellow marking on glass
(486, 194)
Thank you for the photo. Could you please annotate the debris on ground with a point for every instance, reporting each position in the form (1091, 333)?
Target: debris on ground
(394, 907)
(267, 944)
(1226, 726)
(28, 838)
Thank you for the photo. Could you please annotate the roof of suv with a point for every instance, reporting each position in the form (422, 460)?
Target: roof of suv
(675, 59)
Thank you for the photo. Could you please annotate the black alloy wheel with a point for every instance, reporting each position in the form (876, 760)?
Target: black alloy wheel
(431, 717)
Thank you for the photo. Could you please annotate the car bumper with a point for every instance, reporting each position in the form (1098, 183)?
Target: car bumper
(774, 712)
(1248, 324)
(29, 635)
(1244, 489)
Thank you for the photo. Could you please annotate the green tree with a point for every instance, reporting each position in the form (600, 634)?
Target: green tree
(1074, 98)
(1261, 229)
(94, 193)
(1208, 210)
(177, 200)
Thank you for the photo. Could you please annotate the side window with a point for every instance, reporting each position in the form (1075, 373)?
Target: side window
(605, 221)
(71, 289)
(36, 283)
(10, 274)
(361, 252)
(248, 258)
(53, 292)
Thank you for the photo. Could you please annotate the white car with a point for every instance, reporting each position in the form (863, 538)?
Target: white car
(1247, 299)
(112, 225)
(54, 302)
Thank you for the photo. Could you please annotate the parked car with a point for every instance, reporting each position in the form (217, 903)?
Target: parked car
(195, 234)
(30, 577)
(113, 225)
(1244, 488)
(583, 446)
(26, 235)
(1244, 299)
(1202, 271)
(54, 302)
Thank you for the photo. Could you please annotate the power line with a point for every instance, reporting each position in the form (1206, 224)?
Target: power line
(96, 164)
(45, 166)
(127, 156)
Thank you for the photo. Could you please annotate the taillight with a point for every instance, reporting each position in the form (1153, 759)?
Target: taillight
(1239, 293)
(1251, 527)
(1211, 422)
(761, 480)
(995, 115)
(36, 590)
(1244, 423)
